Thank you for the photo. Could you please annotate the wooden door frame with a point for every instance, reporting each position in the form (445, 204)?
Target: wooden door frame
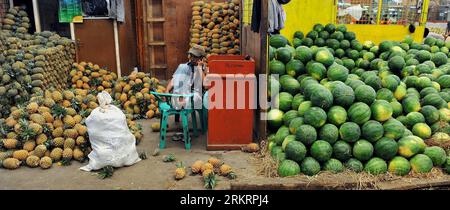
(140, 36)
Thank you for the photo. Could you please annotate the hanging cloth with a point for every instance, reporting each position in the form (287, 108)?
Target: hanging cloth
(276, 16)
(256, 16)
(117, 10)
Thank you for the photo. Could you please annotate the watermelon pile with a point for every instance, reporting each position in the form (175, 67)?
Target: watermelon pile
(365, 107)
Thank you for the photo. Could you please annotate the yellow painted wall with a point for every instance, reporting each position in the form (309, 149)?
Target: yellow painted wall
(301, 15)
(379, 33)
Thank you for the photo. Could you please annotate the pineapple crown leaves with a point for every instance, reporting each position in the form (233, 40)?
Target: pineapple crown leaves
(84, 114)
(210, 181)
(4, 129)
(180, 164)
(232, 175)
(58, 111)
(65, 162)
(95, 82)
(169, 158)
(26, 133)
(76, 104)
(143, 155)
(49, 144)
(46, 130)
(106, 172)
(137, 87)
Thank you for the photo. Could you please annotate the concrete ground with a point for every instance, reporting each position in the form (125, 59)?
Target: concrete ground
(151, 173)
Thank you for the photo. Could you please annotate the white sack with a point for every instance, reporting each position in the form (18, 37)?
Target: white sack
(111, 140)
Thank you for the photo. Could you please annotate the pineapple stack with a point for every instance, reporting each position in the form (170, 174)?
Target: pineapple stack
(55, 56)
(91, 77)
(16, 21)
(49, 129)
(133, 94)
(30, 63)
(215, 26)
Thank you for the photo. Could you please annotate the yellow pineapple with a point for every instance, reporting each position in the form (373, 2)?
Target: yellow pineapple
(58, 123)
(41, 139)
(69, 143)
(71, 133)
(38, 118)
(66, 103)
(150, 114)
(10, 143)
(17, 114)
(20, 155)
(215, 162)
(10, 122)
(17, 128)
(38, 129)
(207, 166)
(33, 161)
(68, 95)
(48, 117)
(225, 170)
(207, 172)
(11, 135)
(81, 129)
(180, 172)
(56, 154)
(78, 154)
(77, 118)
(197, 166)
(40, 151)
(58, 142)
(252, 147)
(32, 107)
(71, 111)
(69, 121)
(45, 162)
(80, 140)
(68, 154)
(11, 163)
(43, 109)
(29, 145)
(57, 96)
(58, 132)
(49, 102)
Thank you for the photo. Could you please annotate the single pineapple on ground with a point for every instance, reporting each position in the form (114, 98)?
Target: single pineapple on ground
(180, 172)
(250, 148)
(45, 162)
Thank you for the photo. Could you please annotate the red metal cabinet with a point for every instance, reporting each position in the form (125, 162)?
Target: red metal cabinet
(230, 120)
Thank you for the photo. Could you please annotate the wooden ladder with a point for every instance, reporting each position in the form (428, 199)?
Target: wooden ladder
(155, 55)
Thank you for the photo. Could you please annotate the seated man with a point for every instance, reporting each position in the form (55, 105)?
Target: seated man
(188, 79)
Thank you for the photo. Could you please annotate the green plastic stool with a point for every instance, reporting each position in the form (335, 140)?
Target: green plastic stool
(166, 109)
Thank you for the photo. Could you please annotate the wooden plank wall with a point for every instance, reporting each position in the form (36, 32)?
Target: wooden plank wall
(255, 45)
(174, 32)
(127, 39)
